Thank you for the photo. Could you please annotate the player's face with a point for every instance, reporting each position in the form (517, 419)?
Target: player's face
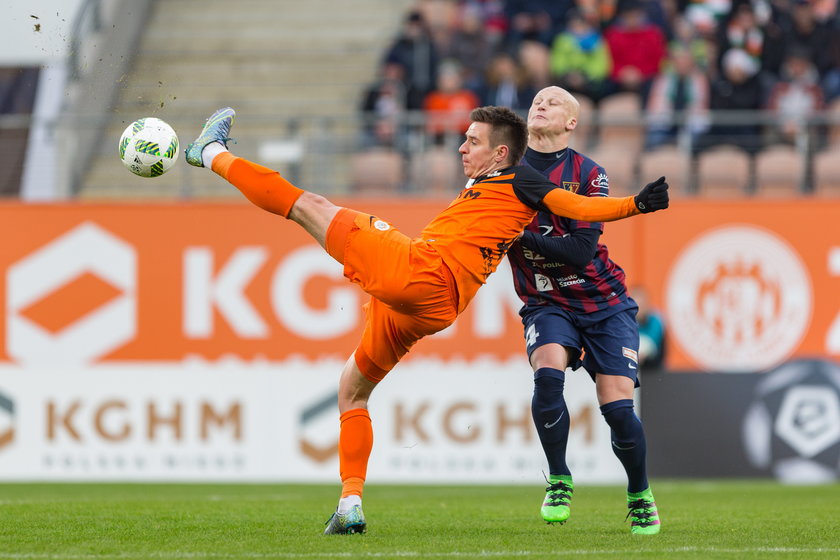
(478, 156)
(551, 111)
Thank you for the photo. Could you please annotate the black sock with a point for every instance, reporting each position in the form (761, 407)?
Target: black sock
(628, 441)
(551, 418)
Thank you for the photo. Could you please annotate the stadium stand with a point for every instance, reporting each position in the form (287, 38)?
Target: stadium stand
(273, 65)
(299, 75)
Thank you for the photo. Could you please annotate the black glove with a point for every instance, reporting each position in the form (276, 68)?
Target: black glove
(653, 197)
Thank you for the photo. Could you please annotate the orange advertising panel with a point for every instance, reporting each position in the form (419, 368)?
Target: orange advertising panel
(100, 283)
(743, 285)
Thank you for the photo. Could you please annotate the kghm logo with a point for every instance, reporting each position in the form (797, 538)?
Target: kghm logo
(314, 426)
(7, 417)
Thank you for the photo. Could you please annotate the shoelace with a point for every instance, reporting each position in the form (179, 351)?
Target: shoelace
(560, 493)
(640, 510)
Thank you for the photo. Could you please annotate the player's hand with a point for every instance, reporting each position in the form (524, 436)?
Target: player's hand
(653, 197)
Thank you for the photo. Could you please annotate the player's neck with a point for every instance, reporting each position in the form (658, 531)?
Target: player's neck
(548, 143)
(491, 169)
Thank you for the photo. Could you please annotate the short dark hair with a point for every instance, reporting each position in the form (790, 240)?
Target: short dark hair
(508, 128)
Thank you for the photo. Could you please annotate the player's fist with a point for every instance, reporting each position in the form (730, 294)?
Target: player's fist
(653, 197)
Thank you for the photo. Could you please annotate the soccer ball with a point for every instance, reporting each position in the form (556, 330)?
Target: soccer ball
(149, 147)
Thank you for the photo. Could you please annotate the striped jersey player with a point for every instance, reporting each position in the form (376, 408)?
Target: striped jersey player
(575, 304)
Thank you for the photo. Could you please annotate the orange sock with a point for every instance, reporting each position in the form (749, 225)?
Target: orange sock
(261, 185)
(355, 443)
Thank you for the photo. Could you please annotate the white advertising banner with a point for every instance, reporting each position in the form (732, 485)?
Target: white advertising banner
(434, 422)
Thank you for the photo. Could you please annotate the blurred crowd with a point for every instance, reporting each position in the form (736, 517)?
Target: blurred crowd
(682, 59)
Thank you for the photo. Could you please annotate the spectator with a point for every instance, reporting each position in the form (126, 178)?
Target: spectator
(796, 97)
(651, 332)
(637, 48)
(656, 13)
(535, 20)
(448, 107)
(534, 57)
(679, 98)
(492, 13)
(741, 31)
(470, 46)
(506, 84)
(415, 52)
(804, 32)
(687, 35)
(737, 89)
(580, 59)
(599, 13)
(383, 108)
(831, 79)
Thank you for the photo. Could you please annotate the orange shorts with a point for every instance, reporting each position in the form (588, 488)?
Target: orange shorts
(413, 293)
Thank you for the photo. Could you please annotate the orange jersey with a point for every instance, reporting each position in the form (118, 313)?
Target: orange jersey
(475, 231)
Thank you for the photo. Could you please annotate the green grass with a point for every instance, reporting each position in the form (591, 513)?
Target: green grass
(731, 519)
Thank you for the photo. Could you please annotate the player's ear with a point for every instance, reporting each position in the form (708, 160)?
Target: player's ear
(502, 152)
(571, 124)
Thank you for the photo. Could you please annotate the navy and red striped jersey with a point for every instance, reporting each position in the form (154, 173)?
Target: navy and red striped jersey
(540, 280)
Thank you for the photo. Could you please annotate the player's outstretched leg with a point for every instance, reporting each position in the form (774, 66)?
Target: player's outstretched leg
(216, 129)
(643, 515)
(353, 521)
(261, 185)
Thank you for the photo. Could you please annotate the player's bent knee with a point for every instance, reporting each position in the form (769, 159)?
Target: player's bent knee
(354, 388)
(314, 213)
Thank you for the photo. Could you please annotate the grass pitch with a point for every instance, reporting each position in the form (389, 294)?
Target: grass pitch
(730, 519)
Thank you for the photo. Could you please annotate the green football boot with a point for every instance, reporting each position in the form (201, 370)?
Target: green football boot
(216, 129)
(644, 518)
(558, 495)
(346, 523)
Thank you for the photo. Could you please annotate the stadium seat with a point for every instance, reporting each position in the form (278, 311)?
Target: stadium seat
(437, 172)
(827, 172)
(833, 112)
(723, 171)
(620, 121)
(779, 172)
(620, 165)
(376, 171)
(672, 162)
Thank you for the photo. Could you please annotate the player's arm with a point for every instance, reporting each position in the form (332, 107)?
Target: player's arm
(577, 248)
(541, 194)
(653, 197)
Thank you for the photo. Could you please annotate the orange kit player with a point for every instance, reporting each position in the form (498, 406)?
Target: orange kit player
(417, 286)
